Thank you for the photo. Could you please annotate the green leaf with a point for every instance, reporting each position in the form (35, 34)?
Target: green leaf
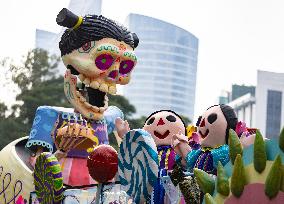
(205, 181)
(222, 181)
(235, 145)
(281, 140)
(209, 199)
(238, 179)
(259, 153)
(273, 180)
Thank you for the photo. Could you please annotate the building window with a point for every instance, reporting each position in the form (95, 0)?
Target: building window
(273, 113)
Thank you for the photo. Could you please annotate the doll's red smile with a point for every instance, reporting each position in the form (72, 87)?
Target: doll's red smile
(204, 135)
(161, 136)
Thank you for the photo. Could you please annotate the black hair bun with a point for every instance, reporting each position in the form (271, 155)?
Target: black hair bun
(135, 39)
(66, 18)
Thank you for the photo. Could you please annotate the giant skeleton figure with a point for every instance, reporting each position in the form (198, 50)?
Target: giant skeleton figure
(100, 53)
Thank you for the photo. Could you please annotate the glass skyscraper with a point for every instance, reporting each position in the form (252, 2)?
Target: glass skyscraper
(270, 103)
(165, 75)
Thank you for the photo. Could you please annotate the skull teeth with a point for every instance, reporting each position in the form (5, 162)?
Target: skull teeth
(112, 90)
(89, 106)
(78, 94)
(87, 81)
(82, 99)
(95, 84)
(81, 77)
(95, 108)
(102, 109)
(103, 88)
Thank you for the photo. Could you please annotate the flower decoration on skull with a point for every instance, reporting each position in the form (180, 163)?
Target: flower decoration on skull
(100, 53)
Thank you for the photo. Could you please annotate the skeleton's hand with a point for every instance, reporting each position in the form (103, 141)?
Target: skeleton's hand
(73, 135)
(122, 127)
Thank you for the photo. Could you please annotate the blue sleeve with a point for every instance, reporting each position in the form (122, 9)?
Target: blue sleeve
(220, 154)
(43, 124)
(191, 158)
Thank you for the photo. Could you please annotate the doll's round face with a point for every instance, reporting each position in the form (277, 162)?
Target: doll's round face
(211, 127)
(163, 125)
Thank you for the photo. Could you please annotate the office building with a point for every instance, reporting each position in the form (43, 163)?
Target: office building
(165, 75)
(270, 103)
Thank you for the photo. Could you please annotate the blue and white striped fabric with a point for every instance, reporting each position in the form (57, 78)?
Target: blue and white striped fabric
(138, 164)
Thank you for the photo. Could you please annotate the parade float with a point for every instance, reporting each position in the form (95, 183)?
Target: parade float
(66, 158)
(253, 175)
(55, 158)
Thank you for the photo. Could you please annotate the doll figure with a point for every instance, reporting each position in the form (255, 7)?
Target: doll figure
(213, 129)
(162, 125)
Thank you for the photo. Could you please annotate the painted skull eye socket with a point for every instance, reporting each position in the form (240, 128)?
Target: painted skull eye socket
(126, 66)
(212, 118)
(104, 61)
(171, 118)
(198, 121)
(86, 47)
(150, 121)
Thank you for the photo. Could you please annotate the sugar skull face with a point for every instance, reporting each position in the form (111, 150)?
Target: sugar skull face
(162, 125)
(211, 127)
(99, 65)
(98, 52)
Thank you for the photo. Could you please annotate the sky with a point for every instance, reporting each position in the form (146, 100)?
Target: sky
(236, 37)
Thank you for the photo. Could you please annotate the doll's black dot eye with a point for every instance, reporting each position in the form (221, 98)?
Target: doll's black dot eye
(150, 121)
(198, 121)
(212, 118)
(171, 118)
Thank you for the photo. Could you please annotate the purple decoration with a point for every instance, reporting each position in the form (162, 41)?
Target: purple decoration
(205, 162)
(113, 74)
(171, 157)
(126, 66)
(104, 61)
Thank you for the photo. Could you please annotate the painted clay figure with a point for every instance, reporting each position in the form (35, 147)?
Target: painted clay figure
(100, 53)
(162, 125)
(213, 128)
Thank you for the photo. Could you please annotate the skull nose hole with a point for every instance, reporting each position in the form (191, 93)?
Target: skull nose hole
(113, 74)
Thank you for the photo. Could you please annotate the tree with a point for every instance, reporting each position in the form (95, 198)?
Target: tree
(39, 85)
(10, 127)
(186, 120)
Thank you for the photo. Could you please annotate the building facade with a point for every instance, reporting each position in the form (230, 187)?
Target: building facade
(270, 102)
(244, 107)
(165, 75)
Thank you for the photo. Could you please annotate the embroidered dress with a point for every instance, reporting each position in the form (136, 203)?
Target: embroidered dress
(166, 163)
(207, 158)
